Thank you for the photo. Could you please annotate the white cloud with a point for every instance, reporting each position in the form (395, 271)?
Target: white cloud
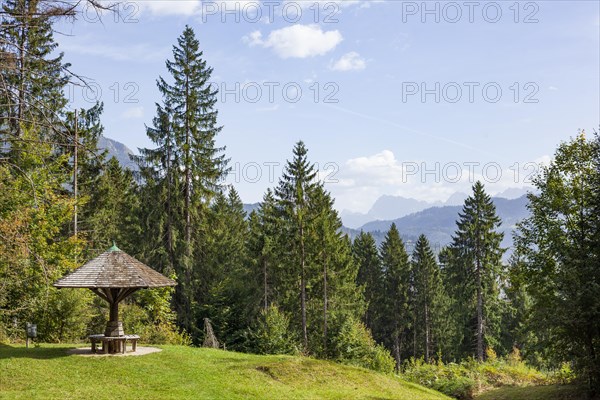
(552, 88)
(361, 180)
(544, 160)
(349, 62)
(172, 7)
(297, 41)
(253, 38)
(133, 113)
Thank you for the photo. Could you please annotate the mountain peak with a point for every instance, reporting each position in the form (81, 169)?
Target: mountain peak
(118, 150)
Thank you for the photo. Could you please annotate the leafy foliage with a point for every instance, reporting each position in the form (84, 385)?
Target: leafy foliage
(355, 346)
(558, 246)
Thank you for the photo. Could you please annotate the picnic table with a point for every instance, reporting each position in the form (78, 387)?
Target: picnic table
(114, 344)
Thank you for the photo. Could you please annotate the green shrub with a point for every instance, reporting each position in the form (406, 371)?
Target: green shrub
(455, 380)
(65, 316)
(464, 380)
(564, 375)
(148, 314)
(273, 335)
(355, 346)
(462, 388)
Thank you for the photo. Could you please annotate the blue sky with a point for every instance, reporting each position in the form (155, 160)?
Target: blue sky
(415, 99)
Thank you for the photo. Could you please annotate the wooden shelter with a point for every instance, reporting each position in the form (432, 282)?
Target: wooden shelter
(113, 276)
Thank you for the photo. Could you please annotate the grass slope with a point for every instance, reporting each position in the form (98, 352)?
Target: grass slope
(190, 373)
(549, 392)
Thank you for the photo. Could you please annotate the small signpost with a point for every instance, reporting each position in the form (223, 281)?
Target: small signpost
(31, 331)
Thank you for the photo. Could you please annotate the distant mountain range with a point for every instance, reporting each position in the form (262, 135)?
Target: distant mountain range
(439, 223)
(436, 220)
(393, 207)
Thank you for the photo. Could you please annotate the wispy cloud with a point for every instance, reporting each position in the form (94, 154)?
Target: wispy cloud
(349, 62)
(171, 7)
(133, 113)
(360, 181)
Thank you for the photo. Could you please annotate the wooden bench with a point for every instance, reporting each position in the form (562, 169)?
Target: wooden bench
(114, 344)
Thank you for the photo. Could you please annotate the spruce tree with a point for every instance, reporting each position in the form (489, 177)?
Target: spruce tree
(33, 77)
(293, 193)
(112, 209)
(475, 267)
(186, 168)
(396, 320)
(221, 285)
(428, 299)
(262, 247)
(369, 278)
(334, 288)
(159, 171)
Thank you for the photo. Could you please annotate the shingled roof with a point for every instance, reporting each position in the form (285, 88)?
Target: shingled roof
(114, 269)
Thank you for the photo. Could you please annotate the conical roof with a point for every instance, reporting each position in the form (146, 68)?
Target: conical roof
(114, 269)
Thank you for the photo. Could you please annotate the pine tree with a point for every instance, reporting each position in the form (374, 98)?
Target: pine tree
(33, 80)
(475, 268)
(112, 209)
(293, 193)
(262, 246)
(158, 170)
(187, 168)
(370, 277)
(428, 298)
(396, 318)
(334, 283)
(221, 285)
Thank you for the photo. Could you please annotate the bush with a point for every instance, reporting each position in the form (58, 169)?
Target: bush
(564, 375)
(355, 346)
(149, 315)
(464, 380)
(65, 316)
(455, 380)
(272, 335)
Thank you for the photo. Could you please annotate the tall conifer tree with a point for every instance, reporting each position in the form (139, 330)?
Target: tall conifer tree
(293, 193)
(396, 318)
(32, 78)
(475, 267)
(428, 299)
(370, 277)
(187, 167)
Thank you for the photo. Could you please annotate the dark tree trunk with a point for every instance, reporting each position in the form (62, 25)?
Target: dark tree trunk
(479, 313)
(303, 288)
(324, 304)
(265, 283)
(427, 339)
(396, 351)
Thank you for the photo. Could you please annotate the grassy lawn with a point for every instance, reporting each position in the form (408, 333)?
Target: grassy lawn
(190, 373)
(550, 392)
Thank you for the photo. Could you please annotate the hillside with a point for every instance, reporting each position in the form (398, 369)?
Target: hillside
(190, 373)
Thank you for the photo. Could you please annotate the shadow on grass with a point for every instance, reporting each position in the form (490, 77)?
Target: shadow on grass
(39, 353)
